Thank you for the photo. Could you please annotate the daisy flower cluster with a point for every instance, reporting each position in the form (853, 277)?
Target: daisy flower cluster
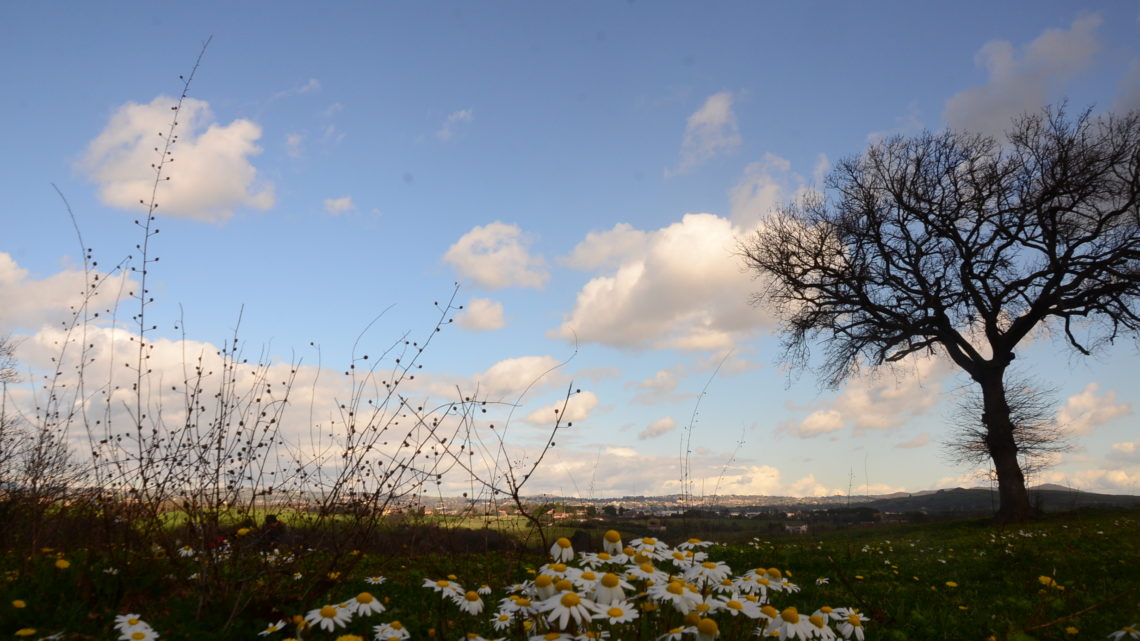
(132, 628)
(678, 591)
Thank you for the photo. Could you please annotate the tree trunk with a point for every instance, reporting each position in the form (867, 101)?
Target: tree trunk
(1013, 499)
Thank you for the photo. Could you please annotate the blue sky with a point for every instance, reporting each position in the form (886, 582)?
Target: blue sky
(582, 170)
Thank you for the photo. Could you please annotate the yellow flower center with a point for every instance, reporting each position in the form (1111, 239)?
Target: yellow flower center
(19, 603)
(138, 636)
(328, 612)
(770, 612)
(675, 588)
(707, 627)
(649, 541)
(551, 636)
(569, 600)
(471, 595)
(774, 573)
(588, 575)
(615, 612)
(443, 583)
(702, 607)
(132, 621)
(523, 603)
(854, 620)
(734, 605)
(364, 597)
(543, 581)
(791, 615)
(604, 557)
(610, 580)
(708, 565)
(825, 609)
(396, 625)
(613, 536)
(816, 620)
(680, 556)
(646, 567)
(693, 541)
(562, 542)
(763, 581)
(628, 551)
(558, 567)
(563, 585)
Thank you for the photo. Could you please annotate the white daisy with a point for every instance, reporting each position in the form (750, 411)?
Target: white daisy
(564, 607)
(619, 612)
(328, 617)
(562, 551)
(470, 602)
(364, 604)
(271, 628)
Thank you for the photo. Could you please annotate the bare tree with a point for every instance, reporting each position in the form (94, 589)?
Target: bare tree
(960, 244)
(1035, 429)
(7, 360)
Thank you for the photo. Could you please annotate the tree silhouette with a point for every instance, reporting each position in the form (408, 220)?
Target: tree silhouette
(961, 244)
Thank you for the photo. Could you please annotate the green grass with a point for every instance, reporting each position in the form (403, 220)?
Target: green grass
(951, 580)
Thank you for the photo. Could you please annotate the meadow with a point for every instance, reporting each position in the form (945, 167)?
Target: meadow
(1068, 576)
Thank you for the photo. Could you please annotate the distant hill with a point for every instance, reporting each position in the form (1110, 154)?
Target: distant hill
(1048, 498)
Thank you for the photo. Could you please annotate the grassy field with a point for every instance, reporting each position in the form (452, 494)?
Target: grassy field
(1069, 576)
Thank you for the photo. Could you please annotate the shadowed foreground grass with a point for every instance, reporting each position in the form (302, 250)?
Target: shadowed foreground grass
(1071, 576)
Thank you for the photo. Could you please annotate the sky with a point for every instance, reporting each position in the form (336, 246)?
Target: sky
(579, 175)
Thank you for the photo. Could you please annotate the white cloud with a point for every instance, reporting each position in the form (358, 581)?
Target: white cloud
(710, 131)
(497, 256)
(1023, 81)
(660, 427)
(882, 399)
(310, 86)
(340, 205)
(608, 248)
(1127, 452)
(31, 303)
(576, 408)
(820, 422)
(1083, 413)
(211, 175)
(512, 376)
(453, 122)
(764, 186)
(684, 287)
(481, 314)
(1097, 480)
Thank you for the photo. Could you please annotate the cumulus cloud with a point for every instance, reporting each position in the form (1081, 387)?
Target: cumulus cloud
(1023, 81)
(607, 248)
(512, 376)
(340, 205)
(660, 427)
(1097, 480)
(481, 314)
(710, 131)
(881, 400)
(576, 408)
(683, 287)
(497, 255)
(1127, 453)
(453, 123)
(1083, 413)
(30, 303)
(212, 175)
